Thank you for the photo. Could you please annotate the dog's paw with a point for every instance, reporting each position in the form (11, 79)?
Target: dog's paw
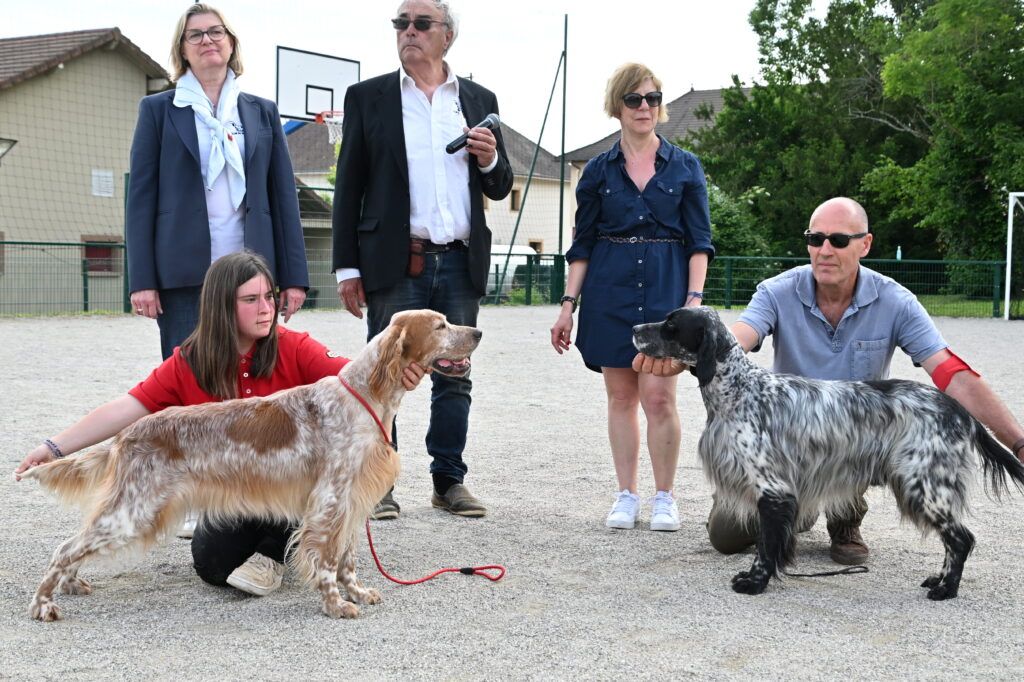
(932, 581)
(44, 610)
(744, 583)
(339, 608)
(75, 586)
(942, 591)
(363, 595)
(369, 596)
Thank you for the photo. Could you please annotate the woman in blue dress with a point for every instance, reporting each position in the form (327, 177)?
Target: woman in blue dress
(641, 249)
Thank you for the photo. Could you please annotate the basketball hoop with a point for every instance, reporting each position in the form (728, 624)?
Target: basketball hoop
(331, 119)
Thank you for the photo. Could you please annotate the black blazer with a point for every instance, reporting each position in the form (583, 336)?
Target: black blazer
(167, 228)
(371, 197)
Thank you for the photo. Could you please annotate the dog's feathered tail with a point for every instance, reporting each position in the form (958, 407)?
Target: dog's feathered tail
(75, 480)
(997, 462)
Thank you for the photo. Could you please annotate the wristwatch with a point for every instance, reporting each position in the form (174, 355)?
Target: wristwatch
(570, 299)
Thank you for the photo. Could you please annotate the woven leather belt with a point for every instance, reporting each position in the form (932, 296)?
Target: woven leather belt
(639, 240)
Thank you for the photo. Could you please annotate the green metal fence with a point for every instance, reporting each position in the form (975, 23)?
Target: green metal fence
(950, 288)
(60, 277)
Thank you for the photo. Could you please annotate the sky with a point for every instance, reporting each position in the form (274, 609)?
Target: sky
(512, 48)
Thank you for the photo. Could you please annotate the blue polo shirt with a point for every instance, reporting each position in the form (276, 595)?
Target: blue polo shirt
(883, 315)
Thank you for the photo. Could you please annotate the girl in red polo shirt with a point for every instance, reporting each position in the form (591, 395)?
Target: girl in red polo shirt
(236, 351)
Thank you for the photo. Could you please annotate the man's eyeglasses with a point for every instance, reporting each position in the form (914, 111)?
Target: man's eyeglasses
(421, 23)
(836, 239)
(195, 36)
(633, 99)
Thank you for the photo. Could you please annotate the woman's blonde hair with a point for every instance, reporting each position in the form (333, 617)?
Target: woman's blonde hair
(626, 79)
(178, 64)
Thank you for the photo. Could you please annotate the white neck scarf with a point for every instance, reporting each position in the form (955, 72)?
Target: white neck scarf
(223, 146)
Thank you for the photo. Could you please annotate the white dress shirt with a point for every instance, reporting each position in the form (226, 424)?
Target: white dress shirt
(438, 181)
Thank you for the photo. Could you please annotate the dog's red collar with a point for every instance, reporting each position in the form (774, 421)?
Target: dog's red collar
(362, 400)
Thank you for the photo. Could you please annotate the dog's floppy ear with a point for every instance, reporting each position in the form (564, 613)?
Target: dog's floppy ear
(388, 370)
(707, 353)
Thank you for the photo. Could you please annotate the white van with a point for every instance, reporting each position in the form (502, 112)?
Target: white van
(498, 254)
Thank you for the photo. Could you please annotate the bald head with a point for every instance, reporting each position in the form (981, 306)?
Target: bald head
(841, 210)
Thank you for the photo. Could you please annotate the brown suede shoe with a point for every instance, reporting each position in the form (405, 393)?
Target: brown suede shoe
(848, 547)
(458, 500)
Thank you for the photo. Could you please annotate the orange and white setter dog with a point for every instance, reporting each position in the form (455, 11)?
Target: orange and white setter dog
(311, 454)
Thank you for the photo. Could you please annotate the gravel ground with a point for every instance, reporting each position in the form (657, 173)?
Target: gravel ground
(578, 601)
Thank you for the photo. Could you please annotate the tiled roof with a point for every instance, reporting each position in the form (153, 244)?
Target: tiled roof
(309, 148)
(520, 155)
(312, 153)
(26, 57)
(681, 120)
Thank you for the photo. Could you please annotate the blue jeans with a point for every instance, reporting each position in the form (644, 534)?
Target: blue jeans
(180, 317)
(445, 287)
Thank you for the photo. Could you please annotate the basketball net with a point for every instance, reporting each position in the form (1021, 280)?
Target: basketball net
(331, 119)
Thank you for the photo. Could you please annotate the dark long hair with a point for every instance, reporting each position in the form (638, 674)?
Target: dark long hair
(211, 351)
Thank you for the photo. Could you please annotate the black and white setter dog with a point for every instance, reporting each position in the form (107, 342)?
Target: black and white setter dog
(782, 448)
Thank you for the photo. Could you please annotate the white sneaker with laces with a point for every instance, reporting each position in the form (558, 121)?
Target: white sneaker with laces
(188, 527)
(664, 512)
(259, 575)
(625, 511)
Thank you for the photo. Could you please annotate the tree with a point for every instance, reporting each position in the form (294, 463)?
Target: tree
(819, 121)
(733, 226)
(963, 68)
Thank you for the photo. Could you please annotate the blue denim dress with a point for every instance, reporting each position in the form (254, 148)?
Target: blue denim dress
(629, 281)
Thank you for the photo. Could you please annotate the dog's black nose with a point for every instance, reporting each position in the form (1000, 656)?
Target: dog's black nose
(477, 334)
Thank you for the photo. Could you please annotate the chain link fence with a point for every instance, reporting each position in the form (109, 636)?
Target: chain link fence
(44, 278)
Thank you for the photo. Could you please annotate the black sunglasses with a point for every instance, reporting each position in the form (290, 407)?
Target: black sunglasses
(421, 23)
(633, 99)
(836, 239)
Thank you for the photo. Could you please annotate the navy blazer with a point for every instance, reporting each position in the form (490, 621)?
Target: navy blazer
(167, 228)
(371, 197)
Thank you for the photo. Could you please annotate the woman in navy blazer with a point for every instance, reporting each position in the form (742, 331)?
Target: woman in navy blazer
(210, 175)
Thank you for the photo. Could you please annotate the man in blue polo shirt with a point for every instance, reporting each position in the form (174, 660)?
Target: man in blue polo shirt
(835, 319)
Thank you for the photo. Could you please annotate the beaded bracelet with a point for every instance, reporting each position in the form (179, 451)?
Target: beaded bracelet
(53, 448)
(1017, 446)
(695, 294)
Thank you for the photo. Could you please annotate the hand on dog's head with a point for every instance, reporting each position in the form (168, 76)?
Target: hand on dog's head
(696, 336)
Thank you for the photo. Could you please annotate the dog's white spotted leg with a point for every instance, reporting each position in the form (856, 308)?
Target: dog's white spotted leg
(63, 568)
(327, 583)
(348, 580)
(72, 584)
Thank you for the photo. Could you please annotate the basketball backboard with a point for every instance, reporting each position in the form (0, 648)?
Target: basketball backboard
(308, 83)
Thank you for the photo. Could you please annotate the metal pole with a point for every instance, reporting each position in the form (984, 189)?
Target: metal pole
(529, 179)
(561, 158)
(85, 285)
(126, 298)
(1011, 205)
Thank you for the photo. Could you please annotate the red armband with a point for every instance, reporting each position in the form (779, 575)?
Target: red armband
(943, 374)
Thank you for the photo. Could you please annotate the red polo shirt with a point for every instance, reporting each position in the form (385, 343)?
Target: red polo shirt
(301, 360)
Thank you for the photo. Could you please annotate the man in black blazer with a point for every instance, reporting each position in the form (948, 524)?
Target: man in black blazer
(408, 222)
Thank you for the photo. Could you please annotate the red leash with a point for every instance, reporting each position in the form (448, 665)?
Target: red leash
(468, 570)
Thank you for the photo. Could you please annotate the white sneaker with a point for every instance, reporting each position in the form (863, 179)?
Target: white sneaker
(259, 575)
(664, 512)
(624, 512)
(188, 528)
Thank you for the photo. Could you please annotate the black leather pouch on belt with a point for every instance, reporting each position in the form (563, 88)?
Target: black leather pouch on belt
(415, 258)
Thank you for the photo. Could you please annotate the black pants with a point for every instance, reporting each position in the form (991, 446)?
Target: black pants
(217, 550)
